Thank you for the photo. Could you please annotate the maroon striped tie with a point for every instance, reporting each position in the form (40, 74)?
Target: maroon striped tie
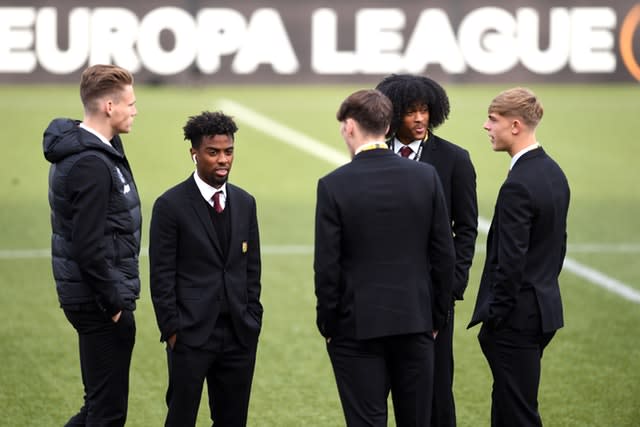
(406, 151)
(216, 202)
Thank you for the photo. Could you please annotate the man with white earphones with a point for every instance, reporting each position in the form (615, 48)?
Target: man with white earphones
(204, 255)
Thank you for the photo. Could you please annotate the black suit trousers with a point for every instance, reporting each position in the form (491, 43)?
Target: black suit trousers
(105, 358)
(444, 409)
(367, 370)
(228, 368)
(514, 352)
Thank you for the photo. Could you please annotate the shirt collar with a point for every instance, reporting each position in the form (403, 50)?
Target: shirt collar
(397, 145)
(208, 191)
(522, 152)
(95, 132)
(370, 146)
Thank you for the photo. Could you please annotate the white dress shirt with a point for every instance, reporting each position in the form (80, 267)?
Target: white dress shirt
(415, 146)
(208, 191)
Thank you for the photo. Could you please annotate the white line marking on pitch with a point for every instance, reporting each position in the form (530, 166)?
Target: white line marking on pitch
(284, 134)
(318, 149)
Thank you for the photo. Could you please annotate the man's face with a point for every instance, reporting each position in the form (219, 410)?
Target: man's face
(123, 110)
(499, 128)
(214, 158)
(414, 124)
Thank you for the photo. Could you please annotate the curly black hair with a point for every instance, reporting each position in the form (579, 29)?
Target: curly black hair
(208, 124)
(405, 90)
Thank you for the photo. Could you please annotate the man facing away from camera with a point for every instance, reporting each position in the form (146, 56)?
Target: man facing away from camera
(95, 220)
(384, 264)
(420, 105)
(204, 255)
(518, 301)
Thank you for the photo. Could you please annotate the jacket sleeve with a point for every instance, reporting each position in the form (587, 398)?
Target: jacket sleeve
(89, 189)
(254, 266)
(464, 216)
(515, 210)
(163, 244)
(442, 257)
(326, 263)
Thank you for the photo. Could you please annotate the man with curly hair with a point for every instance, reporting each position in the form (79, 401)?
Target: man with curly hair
(204, 255)
(420, 105)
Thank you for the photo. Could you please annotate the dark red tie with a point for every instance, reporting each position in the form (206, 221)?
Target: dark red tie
(406, 151)
(216, 202)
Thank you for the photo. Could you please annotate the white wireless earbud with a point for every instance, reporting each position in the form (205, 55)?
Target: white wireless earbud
(194, 159)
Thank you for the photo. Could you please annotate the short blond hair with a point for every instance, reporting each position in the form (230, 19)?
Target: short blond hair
(100, 80)
(518, 102)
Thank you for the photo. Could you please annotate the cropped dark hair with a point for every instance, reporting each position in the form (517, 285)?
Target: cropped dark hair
(405, 91)
(100, 80)
(370, 108)
(208, 123)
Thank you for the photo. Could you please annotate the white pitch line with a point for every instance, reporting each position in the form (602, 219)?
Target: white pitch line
(283, 133)
(318, 149)
(602, 280)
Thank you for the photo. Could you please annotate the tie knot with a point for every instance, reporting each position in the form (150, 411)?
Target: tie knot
(406, 151)
(217, 206)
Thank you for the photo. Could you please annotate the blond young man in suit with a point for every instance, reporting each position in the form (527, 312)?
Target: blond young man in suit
(519, 303)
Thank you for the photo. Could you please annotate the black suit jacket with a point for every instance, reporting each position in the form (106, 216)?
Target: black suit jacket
(458, 178)
(384, 255)
(188, 272)
(526, 245)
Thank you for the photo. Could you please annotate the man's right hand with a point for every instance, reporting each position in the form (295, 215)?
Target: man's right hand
(171, 341)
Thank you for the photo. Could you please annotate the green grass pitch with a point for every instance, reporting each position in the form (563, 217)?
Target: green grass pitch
(591, 370)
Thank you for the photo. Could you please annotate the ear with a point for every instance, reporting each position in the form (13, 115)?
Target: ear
(516, 127)
(107, 106)
(349, 126)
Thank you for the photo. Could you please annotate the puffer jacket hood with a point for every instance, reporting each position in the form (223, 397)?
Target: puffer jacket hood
(61, 140)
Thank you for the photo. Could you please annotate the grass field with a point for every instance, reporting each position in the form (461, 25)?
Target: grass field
(591, 371)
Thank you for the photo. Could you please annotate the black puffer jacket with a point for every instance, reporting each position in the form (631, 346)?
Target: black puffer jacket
(95, 220)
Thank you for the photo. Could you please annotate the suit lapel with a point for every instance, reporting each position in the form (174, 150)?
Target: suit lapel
(430, 150)
(232, 205)
(203, 215)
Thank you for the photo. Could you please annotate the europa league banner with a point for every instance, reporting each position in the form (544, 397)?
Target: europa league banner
(200, 42)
